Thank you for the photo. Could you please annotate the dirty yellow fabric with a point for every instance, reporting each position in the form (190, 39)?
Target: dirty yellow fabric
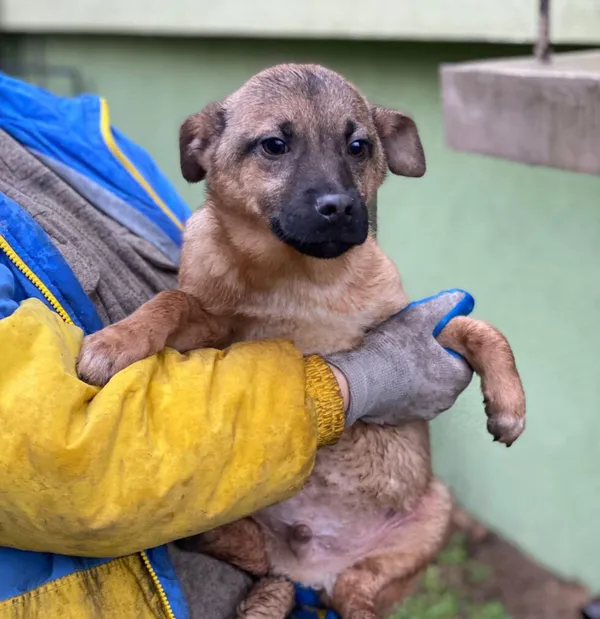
(172, 446)
(119, 589)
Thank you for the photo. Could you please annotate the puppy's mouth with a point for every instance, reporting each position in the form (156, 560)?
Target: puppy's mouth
(324, 249)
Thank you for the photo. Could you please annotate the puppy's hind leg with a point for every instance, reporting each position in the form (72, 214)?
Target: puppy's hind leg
(379, 601)
(240, 543)
(270, 598)
(373, 586)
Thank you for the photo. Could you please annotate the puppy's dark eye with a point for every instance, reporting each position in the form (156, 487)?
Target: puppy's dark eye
(274, 147)
(358, 148)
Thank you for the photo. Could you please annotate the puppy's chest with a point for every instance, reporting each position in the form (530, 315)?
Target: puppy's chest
(317, 320)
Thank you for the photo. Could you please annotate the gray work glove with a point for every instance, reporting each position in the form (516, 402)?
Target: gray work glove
(401, 373)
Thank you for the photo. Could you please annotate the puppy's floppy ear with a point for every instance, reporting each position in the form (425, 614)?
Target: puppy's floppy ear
(401, 143)
(197, 137)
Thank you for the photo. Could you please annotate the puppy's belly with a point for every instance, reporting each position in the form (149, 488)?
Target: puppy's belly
(362, 491)
(339, 537)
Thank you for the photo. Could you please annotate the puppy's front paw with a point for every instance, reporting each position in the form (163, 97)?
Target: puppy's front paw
(505, 409)
(107, 352)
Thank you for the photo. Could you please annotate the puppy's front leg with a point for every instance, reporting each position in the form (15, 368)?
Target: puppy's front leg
(490, 355)
(171, 318)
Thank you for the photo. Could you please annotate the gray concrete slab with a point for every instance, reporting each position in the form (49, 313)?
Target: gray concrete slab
(524, 111)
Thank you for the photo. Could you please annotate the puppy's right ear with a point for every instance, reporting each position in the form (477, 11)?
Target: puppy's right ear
(197, 138)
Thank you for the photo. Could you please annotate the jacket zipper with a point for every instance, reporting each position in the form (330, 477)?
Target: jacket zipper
(35, 280)
(161, 592)
(60, 310)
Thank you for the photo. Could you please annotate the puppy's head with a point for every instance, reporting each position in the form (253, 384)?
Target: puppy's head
(300, 149)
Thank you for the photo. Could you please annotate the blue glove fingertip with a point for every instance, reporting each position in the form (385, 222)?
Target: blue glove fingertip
(463, 308)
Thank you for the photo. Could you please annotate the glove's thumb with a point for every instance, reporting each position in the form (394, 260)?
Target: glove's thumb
(434, 313)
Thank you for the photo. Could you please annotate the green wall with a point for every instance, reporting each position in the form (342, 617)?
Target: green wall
(524, 241)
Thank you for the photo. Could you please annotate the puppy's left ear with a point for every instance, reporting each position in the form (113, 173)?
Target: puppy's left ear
(401, 142)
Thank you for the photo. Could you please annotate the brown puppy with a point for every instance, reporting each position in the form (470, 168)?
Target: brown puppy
(281, 250)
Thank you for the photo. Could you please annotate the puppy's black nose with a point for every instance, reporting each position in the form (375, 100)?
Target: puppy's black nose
(335, 206)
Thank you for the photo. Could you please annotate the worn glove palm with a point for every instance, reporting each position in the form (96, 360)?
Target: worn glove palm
(401, 373)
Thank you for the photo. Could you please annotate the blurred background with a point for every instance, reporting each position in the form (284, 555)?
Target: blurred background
(525, 241)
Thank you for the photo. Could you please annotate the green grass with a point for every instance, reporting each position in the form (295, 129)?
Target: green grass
(444, 589)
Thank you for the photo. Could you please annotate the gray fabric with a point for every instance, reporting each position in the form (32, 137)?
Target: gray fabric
(119, 271)
(401, 373)
(213, 589)
(111, 205)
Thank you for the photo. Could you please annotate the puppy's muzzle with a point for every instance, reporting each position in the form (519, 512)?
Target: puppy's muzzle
(323, 226)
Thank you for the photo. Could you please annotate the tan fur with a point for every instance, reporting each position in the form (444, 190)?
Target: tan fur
(240, 543)
(371, 516)
(271, 598)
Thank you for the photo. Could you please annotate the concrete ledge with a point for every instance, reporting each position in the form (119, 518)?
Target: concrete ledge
(509, 21)
(518, 109)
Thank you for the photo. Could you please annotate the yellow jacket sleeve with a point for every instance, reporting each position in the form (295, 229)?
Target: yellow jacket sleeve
(174, 445)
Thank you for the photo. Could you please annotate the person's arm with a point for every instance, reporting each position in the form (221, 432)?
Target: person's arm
(178, 444)
(173, 445)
